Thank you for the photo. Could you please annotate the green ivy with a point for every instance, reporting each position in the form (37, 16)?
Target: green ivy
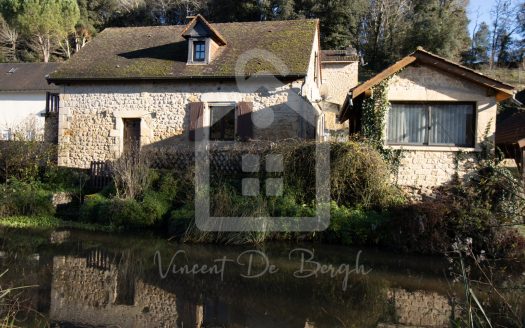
(375, 111)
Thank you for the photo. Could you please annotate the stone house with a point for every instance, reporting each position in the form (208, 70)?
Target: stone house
(170, 86)
(26, 98)
(438, 110)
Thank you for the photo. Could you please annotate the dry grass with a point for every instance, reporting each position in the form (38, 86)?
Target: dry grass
(514, 77)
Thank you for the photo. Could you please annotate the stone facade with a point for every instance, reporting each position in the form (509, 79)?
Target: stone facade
(338, 78)
(429, 169)
(91, 116)
(432, 166)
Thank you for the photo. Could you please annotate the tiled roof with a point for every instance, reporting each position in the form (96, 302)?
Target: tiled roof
(23, 77)
(153, 53)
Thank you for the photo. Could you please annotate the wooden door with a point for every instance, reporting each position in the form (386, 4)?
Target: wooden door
(131, 134)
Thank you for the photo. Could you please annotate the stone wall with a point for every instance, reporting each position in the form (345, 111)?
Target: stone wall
(428, 169)
(338, 78)
(425, 167)
(91, 116)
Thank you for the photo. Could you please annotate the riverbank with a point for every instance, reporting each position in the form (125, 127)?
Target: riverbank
(48, 223)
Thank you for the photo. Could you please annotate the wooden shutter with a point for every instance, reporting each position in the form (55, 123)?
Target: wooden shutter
(244, 120)
(196, 121)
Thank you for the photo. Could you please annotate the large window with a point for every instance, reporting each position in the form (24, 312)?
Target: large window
(440, 124)
(199, 51)
(222, 120)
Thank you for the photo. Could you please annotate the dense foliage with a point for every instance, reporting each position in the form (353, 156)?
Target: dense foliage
(380, 30)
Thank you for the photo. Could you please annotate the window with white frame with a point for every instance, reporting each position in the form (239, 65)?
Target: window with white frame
(432, 124)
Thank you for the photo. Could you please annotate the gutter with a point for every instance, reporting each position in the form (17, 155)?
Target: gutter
(169, 78)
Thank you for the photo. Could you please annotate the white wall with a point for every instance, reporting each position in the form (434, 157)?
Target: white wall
(17, 110)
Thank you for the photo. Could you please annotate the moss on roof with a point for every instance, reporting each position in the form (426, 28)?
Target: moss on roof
(161, 52)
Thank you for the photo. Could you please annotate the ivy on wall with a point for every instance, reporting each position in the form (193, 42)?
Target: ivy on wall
(375, 110)
(373, 123)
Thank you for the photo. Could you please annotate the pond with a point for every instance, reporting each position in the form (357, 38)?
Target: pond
(103, 280)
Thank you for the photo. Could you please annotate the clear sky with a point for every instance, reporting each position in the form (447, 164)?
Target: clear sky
(483, 7)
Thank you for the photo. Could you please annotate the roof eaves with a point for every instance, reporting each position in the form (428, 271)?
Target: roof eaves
(504, 91)
(62, 80)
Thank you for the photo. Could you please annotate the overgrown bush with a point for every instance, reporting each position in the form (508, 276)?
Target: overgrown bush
(25, 198)
(25, 160)
(131, 173)
(354, 226)
(358, 174)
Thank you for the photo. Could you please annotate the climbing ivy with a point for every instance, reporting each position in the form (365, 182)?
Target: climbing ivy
(375, 111)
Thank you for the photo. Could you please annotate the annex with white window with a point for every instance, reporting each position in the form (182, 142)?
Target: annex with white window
(24, 97)
(438, 111)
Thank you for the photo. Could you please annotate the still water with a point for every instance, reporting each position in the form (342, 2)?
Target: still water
(103, 280)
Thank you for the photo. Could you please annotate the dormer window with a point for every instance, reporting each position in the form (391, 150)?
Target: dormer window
(204, 41)
(199, 51)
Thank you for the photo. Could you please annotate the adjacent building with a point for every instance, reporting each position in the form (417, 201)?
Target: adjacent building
(440, 115)
(25, 97)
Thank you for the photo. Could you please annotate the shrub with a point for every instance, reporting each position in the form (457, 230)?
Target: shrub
(155, 205)
(420, 227)
(353, 226)
(21, 198)
(93, 208)
(359, 176)
(433, 227)
(180, 220)
(25, 160)
(131, 174)
(127, 214)
(67, 179)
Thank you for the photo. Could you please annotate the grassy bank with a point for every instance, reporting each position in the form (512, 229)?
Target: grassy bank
(45, 223)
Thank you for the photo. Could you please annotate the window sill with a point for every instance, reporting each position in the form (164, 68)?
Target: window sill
(433, 148)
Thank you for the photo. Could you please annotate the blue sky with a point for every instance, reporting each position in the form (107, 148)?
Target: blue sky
(484, 7)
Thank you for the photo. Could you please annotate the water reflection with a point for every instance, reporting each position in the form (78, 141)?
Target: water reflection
(104, 285)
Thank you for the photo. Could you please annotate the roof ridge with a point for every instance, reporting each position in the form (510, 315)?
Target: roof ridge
(211, 23)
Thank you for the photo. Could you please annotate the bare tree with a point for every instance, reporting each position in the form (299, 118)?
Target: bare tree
(504, 25)
(129, 6)
(8, 40)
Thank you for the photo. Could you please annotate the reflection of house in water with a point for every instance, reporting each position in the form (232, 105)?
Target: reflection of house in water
(93, 290)
(101, 289)
(419, 309)
(88, 291)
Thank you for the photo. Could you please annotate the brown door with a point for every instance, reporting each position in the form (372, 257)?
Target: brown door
(131, 134)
